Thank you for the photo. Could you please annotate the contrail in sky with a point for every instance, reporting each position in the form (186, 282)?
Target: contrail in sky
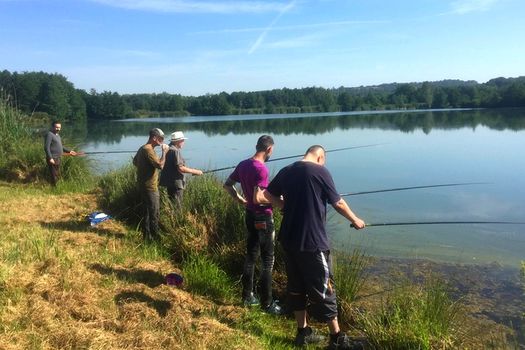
(261, 37)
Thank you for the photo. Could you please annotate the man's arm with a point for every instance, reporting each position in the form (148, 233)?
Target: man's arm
(262, 196)
(229, 186)
(47, 146)
(342, 208)
(154, 160)
(162, 160)
(187, 170)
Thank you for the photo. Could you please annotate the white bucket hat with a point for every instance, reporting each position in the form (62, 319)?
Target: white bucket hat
(177, 136)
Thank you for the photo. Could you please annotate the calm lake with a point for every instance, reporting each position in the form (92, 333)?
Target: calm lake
(415, 148)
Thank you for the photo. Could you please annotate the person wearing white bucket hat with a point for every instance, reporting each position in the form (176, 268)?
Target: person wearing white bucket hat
(172, 175)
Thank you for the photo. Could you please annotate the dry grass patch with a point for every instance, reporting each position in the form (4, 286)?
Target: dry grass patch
(65, 285)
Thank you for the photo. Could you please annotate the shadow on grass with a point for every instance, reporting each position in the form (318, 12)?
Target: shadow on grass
(148, 277)
(161, 306)
(81, 226)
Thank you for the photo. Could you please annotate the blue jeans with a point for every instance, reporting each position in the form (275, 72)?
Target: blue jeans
(261, 238)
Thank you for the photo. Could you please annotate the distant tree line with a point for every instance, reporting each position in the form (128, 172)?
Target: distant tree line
(497, 119)
(55, 95)
(42, 92)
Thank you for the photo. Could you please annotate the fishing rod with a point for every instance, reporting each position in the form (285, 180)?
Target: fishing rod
(413, 188)
(296, 156)
(106, 152)
(443, 223)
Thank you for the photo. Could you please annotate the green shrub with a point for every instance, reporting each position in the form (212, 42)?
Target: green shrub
(22, 156)
(120, 196)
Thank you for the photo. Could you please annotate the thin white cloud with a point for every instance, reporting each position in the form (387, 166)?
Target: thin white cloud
(303, 41)
(261, 37)
(462, 7)
(291, 27)
(195, 6)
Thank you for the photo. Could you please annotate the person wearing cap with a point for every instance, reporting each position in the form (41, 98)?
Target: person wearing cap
(259, 223)
(172, 175)
(148, 163)
(306, 186)
(54, 150)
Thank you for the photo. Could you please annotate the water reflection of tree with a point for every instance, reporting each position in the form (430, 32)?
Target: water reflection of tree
(503, 119)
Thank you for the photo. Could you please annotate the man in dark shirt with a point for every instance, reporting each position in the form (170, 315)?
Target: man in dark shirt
(148, 163)
(252, 172)
(54, 150)
(306, 187)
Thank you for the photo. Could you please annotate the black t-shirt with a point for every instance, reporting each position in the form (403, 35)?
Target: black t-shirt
(306, 188)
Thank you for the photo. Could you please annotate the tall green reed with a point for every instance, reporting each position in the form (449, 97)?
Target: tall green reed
(350, 275)
(18, 149)
(22, 156)
(206, 220)
(203, 276)
(415, 317)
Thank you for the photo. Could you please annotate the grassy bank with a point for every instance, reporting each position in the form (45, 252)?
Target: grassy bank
(66, 285)
(208, 230)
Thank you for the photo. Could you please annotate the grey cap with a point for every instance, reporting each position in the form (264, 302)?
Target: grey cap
(156, 132)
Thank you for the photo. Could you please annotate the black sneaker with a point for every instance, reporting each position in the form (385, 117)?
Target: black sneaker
(344, 342)
(251, 301)
(307, 336)
(273, 308)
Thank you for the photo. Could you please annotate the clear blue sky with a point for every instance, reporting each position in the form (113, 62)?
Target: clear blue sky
(195, 47)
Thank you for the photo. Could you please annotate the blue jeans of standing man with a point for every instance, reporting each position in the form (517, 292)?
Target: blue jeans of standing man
(261, 239)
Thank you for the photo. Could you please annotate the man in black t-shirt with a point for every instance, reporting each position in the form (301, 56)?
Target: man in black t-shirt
(306, 187)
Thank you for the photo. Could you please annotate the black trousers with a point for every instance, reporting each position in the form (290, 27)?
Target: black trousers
(261, 239)
(54, 171)
(310, 284)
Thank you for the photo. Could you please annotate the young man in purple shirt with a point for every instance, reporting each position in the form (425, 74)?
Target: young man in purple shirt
(259, 223)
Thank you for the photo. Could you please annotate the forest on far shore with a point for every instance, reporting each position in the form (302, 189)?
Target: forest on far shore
(54, 95)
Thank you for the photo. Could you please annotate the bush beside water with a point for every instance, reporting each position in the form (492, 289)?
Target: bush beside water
(22, 157)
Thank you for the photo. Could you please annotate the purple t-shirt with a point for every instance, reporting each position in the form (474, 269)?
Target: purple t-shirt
(251, 173)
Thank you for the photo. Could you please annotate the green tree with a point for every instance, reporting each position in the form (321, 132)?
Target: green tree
(53, 97)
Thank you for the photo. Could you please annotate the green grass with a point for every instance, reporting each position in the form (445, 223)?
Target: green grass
(203, 276)
(350, 276)
(272, 332)
(415, 317)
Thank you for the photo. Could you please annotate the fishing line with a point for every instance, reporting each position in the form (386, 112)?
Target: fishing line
(413, 188)
(297, 156)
